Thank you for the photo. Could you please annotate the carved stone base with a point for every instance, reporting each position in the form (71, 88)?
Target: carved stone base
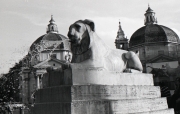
(124, 106)
(95, 92)
(101, 97)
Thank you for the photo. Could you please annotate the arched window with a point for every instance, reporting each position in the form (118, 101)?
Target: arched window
(52, 28)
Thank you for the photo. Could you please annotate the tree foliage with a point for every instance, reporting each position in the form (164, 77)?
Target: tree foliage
(9, 84)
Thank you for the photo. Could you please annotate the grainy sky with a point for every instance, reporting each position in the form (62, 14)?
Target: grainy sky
(23, 21)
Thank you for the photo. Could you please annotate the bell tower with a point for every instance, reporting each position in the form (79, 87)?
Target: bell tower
(121, 42)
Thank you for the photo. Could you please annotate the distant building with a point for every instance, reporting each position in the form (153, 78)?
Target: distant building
(157, 46)
(155, 43)
(49, 50)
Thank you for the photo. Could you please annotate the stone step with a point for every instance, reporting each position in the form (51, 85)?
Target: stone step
(95, 76)
(102, 107)
(165, 111)
(138, 105)
(95, 92)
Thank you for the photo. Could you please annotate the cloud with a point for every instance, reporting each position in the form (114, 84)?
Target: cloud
(36, 20)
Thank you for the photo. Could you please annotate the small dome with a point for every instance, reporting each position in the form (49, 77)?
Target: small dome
(153, 33)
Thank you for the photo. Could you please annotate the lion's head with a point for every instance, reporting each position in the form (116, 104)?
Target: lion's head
(79, 36)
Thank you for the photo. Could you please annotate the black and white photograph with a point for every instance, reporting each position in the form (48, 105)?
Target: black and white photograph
(89, 57)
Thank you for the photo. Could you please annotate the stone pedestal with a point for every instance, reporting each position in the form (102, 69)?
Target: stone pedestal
(101, 92)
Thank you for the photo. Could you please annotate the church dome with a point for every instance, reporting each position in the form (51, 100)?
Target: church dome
(51, 40)
(152, 32)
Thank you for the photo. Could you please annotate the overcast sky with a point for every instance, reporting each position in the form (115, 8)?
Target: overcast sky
(23, 21)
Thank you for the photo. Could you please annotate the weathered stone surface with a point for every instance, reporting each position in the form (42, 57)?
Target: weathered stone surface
(99, 76)
(138, 105)
(166, 111)
(99, 92)
(103, 107)
(90, 107)
(96, 92)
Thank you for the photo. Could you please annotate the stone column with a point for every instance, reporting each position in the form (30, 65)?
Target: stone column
(21, 85)
(37, 82)
(25, 84)
(38, 74)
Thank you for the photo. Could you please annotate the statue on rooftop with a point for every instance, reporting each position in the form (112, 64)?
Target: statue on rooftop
(89, 50)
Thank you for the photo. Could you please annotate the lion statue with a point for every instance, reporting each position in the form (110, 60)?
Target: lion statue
(90, 51)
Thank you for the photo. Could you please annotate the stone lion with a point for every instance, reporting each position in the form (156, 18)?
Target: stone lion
(90, 51)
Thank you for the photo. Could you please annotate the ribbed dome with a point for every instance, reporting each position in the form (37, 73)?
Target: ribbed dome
(51, 40)
(51, 37)
(153, 33)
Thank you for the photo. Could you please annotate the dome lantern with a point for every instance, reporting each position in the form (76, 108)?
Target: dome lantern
(52, 27)
(150, 16)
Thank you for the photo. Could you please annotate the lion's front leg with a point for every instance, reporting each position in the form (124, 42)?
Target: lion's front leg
(133, 61)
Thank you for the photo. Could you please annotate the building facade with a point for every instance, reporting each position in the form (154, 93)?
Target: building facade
(157, 46)
(49, 50)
